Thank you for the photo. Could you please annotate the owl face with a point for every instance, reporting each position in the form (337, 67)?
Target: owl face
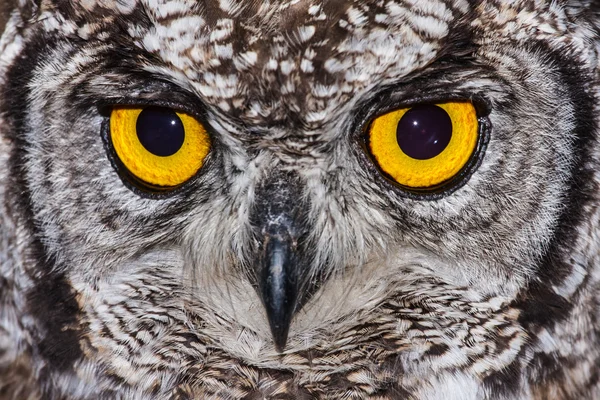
(280, 219)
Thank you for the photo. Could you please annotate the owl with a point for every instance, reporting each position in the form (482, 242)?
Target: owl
(299, 199)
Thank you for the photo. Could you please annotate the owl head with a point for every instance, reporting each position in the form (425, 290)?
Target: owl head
(263, 178)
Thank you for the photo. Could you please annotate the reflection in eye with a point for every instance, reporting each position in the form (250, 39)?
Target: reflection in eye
(160, 131)
(424, 132)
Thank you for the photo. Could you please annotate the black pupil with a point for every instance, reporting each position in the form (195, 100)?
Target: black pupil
(424, 131)
(160, 131)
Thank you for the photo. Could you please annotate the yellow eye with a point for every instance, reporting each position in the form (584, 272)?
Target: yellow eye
(425, 145)
(158, 145)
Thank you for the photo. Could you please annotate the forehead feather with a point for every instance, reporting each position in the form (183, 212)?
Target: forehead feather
(305, 60)
(268, 61)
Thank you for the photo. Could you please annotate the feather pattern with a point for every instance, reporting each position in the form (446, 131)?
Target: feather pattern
(486, 290)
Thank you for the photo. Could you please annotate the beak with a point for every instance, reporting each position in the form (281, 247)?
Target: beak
(278, 282)
(281, 262)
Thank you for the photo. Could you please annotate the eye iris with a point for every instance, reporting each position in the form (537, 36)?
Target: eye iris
(160, 131)
(424, 131)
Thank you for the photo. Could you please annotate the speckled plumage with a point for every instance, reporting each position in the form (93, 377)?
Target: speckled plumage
(488, 290)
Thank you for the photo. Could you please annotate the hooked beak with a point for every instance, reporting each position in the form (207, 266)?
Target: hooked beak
(282, 261)
(278, 283)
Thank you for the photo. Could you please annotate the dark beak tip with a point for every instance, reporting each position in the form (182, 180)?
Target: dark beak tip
(279, 290)
(280, 338)
(280, 319)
